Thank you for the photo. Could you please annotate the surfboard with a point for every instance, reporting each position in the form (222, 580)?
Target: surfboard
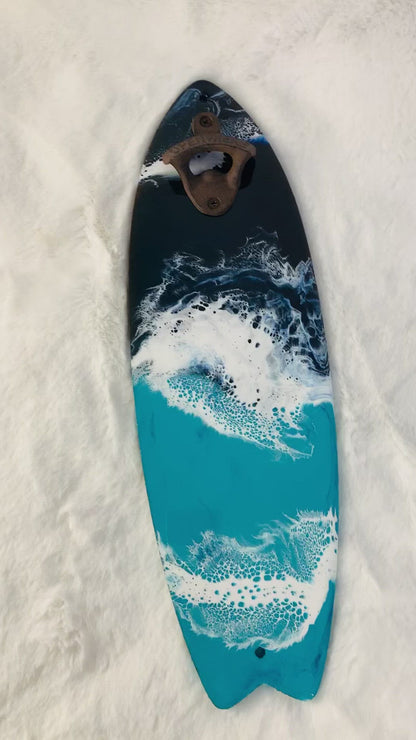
(233, 401)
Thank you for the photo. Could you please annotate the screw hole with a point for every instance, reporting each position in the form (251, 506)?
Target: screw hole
(213, 203)
(205, 121)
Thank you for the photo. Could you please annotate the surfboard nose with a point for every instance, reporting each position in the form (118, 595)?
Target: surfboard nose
(204, 94)
(206, 86)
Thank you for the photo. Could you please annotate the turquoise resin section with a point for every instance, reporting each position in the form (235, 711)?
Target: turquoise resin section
(220, 498)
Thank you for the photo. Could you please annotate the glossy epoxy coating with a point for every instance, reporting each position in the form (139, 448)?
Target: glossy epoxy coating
(234, 411)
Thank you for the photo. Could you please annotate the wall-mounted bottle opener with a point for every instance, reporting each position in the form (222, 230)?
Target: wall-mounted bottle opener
(212, 192)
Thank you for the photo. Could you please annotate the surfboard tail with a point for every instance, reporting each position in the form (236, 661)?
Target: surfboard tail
(231, 676)
(225, 695)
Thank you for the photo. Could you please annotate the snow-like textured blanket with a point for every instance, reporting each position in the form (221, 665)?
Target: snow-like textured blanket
(90, 643)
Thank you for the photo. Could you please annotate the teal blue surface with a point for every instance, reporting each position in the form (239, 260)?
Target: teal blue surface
(208, 481)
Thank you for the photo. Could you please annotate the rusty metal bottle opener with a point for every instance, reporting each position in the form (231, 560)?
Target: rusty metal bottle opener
(212, 192)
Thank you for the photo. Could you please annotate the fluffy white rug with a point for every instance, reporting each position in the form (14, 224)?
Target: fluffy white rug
(90, 644)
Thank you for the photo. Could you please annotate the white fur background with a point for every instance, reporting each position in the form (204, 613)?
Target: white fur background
(90, 646)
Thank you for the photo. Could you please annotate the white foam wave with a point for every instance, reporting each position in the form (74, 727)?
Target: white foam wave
(270, 592)
(239, 344)
(266, 386)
